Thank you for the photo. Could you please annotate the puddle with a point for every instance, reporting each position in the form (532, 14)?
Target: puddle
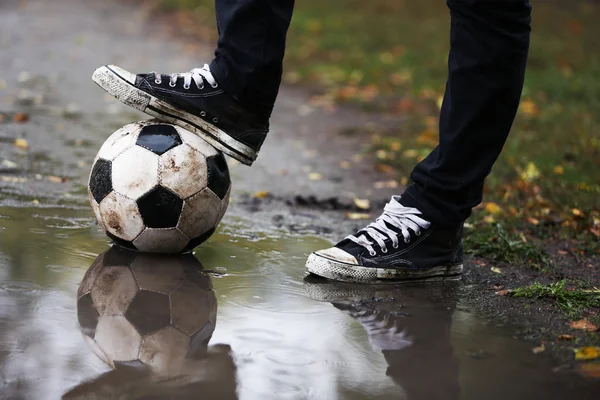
(238, 320)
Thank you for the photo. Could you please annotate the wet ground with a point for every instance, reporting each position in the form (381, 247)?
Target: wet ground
(78, 320)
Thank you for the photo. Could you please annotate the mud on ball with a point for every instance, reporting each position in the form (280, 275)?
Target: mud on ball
(155, 187)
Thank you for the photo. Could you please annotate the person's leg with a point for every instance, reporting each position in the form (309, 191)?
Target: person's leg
(229, 102)
(486, 67)
(249, 56)
(419, 234)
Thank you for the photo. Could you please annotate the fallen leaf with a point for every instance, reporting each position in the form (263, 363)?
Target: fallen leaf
(584, 325)
(559, 170)
(261, 195)
(345, 164)
(538, 349)
(315, 176)
(363, 204)
(20, 117)
(489, 219)
(36, 201)
(589, 370)
(496, 270)
(587, 353)
(384, 168)
(504, 292)
(497, 286)
(577, 212)
(21, 143)
(56, 179)
(562, 252)
(386, 184)
(529, 108)
(395, 146)
(404, 181)
(493, 208)
(353, 215)
(565, 337)
(531, 172)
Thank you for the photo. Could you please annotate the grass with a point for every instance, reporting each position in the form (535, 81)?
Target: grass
(494, 243)
(390, 57)
(573, 301)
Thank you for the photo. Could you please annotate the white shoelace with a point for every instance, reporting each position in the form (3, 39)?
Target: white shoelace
(198, 75)
(396, 215)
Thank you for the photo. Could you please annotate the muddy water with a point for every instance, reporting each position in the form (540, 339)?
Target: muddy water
(241, 321)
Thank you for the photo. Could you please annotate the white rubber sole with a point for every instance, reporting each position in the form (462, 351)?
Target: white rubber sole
(344, 272)
(120, 84)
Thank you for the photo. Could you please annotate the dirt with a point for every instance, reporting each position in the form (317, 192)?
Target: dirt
(297, 183)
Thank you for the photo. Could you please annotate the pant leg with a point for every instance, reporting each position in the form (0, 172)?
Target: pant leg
(489, 42)
(249, 55)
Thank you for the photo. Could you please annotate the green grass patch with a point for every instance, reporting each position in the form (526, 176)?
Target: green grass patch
(493, 242)
(573, 301)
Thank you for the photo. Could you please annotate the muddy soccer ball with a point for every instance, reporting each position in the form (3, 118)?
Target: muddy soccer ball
(155, 187)
(148, 311)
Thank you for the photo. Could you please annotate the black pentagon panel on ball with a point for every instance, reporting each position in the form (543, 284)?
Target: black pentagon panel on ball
(87, 315)
(218, 175)
(158, 138)
(197, 241)
(101, 180)
(160, 208)
(121, 242)
(149, 312)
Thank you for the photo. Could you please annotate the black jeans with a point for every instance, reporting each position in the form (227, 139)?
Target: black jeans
(489, 43)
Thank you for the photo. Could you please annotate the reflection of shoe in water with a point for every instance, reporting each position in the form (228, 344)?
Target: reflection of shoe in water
(399, 246)
(409, 324)
(193, 100)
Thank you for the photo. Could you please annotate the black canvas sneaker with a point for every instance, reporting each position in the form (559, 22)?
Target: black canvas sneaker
(398, 246)
(194, 101)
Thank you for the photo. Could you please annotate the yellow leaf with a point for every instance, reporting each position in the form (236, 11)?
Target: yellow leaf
(489, 219)
(315, 176)
(559, 170)
(395, 146)
(493, 208)
(529, 108)
(428, 138)
(577, 212)
(565, 337)
(410, 153)
(404, 181)
(261, 195)
(531, 172)
(345, 164)
(587, 353)
(36, 201)
(496, 270)
(386, 184)
(21, 143)
(56, 179)
(363, 204)
(584, 325)
(353, 215)
(538, 349)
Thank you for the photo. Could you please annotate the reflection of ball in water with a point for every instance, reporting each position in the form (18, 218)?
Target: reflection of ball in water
(156, 187)
(146, 310)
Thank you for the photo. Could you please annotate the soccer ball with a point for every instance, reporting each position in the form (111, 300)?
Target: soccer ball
(155, 187)
(147, 311)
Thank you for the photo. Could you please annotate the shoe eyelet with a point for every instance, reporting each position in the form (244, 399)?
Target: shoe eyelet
(216, 85)
(406, 240)
(418, 233)
(215, 120)
(172, 84)
(395, 245)
(186, 87)
(157, 81)
(384, 250)
(372, 253)
(202, 114)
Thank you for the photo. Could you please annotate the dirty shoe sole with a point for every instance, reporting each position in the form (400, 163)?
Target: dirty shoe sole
(120, 84)
(340, 271)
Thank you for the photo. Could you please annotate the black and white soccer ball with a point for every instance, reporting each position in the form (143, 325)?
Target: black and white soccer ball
(156, 187)
(153, 312)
